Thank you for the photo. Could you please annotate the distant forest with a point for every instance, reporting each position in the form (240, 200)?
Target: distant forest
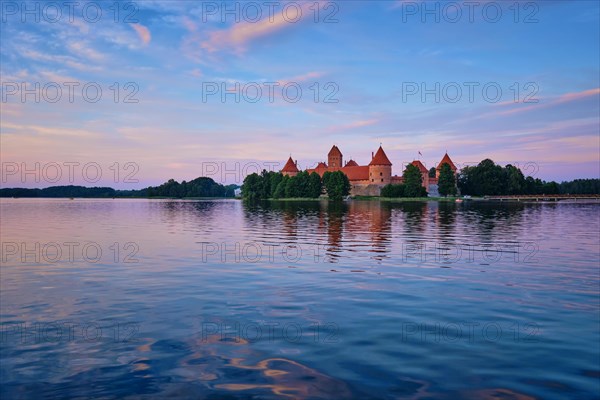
(199, 187)
(488, 178)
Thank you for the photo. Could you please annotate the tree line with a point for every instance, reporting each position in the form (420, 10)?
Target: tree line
(275, 185)
(489, 179)
(199, 187)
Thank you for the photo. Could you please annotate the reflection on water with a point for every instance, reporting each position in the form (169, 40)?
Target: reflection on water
(193, 299)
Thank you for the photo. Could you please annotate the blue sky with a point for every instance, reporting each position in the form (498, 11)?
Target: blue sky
(371, 61)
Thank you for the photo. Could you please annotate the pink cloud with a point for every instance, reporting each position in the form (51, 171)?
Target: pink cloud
(237, 37)
(565, 98)
(354, 125)
(143, 33)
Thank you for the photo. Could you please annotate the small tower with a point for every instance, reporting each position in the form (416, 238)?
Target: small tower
(290, 168)
(380, 168)
(445, 160)
(335, 158)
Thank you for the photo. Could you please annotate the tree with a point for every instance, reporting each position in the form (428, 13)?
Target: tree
(391, 190)
(486, 178)
(446, 181)
(581, 186)
(413, 186)
(337, 185)
(265, 184)
(274, 180)
(515, 181)
(490, 178)
(280, 190)
(314, 185)
(302, 179)
(432, 172)
(252, 187)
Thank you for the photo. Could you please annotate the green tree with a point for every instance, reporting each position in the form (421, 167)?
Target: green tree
(274, 181)
(432, 172)
(302, 179)
(393, 190)
(292, 188)
(337, 185)
(314, 185)
(446, 181)
(279, 192)
(252, 187)
(515, 181)
(580, 186)
(413, 182)
(490, 178)
(265, 184)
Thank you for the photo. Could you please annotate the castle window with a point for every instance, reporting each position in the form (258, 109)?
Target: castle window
(382, 180)
(372, 180)
(381, 174)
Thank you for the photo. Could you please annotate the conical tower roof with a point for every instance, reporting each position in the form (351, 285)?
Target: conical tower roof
(334, 151)
(419, 164)
(446, 160)
(290, 166)
(380, 158)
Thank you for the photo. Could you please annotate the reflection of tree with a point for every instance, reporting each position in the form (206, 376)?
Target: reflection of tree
(446, 221)
(174, 213)
(413, 215)
(500, 224)
(376, 217)
(336, 211)
(340, 227)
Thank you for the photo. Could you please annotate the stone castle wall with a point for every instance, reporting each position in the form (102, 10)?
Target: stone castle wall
(366, 190)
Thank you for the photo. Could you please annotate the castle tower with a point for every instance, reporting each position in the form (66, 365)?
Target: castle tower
(380, 168)
(335, 158)
(445, 160)
(290, 168)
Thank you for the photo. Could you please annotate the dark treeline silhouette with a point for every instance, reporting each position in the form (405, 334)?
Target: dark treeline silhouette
(275, 185)
(581, 186)
(488, 178)
(199, 187)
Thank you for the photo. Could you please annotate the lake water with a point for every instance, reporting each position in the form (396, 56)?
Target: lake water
(218, 299)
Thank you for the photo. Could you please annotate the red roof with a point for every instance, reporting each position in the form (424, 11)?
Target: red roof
(447, 160)
(290, 166)
(321, 165)
(357, 173)
(334, 151)
(419, 164)
(380, 158)
(351, 163)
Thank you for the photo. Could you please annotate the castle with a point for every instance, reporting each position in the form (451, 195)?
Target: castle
(367, 180)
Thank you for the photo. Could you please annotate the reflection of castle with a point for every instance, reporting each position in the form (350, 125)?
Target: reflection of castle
(367, 179)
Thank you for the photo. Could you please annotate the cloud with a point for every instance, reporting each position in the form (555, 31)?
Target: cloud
(565, 98)
(237, 38)
(301, 78)
(46, 130)
(354, 125)
(83, 50)
(143, 33)
(64, 61)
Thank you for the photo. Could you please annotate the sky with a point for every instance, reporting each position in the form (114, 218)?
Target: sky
(131, 94)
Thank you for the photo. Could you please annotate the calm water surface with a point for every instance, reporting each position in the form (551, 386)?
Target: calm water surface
(217, 299)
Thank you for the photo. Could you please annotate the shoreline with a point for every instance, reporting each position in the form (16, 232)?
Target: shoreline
(542, 199)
